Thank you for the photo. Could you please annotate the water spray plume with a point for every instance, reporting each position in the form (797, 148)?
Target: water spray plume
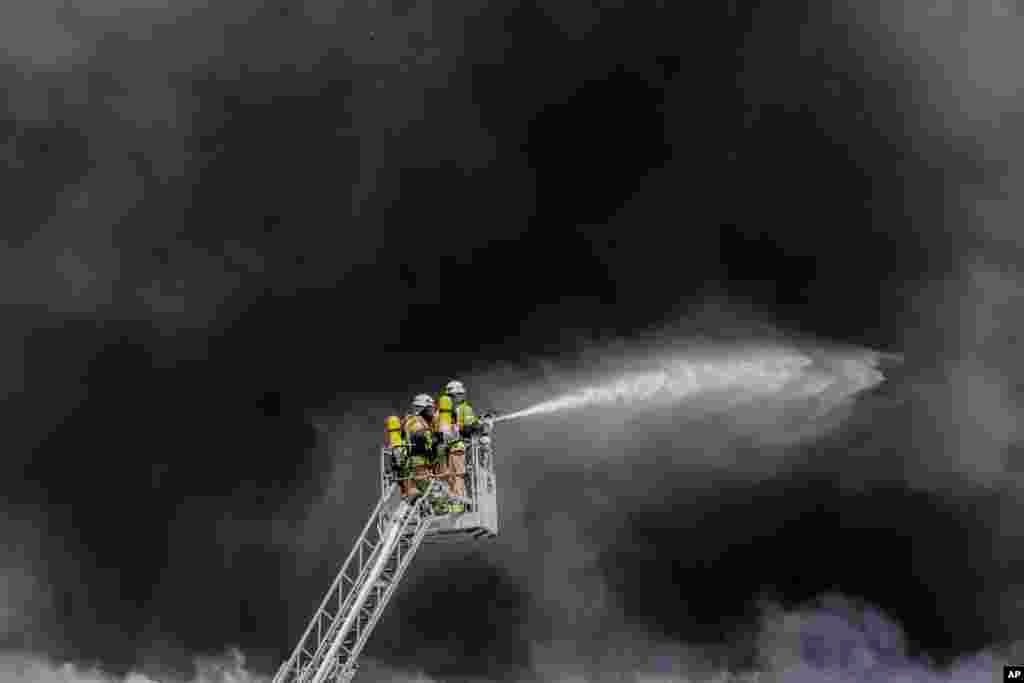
(740, 377)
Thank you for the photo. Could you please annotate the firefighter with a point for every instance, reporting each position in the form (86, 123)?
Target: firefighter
(466, 422)
(419, 434)
(450, 451)
(398, 451)
(444, 432)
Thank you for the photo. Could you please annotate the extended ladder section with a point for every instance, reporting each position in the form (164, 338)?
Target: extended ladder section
(338, 631)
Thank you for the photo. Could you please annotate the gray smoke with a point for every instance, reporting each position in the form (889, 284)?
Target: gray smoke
(569, 482)
(951, 422)
(18, 668)
(113, 103)
(960, 57)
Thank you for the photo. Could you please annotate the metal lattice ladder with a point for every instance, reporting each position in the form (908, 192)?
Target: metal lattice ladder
(328, 650)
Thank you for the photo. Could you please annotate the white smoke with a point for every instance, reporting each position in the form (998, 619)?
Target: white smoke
(230, 668)
(26, 668)
(832, 639)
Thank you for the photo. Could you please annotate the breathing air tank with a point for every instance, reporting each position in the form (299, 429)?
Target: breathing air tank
(394, 432)
(444, 414)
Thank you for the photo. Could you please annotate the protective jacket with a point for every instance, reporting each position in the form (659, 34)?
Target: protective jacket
(420, 439)
(466, 420)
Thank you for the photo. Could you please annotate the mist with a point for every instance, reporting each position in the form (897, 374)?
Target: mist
(733, 376)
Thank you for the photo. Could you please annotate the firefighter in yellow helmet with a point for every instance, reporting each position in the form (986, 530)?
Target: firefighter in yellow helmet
(418, 430)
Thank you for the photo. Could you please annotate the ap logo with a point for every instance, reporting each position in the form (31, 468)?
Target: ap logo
(1013, 673)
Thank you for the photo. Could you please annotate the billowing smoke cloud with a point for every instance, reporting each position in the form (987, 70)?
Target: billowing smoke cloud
(140, 132)
(18, 668)
(112, 106)
(634, 539)
(549, 584)
(608, 507)
(230, 668)
(832, 639)
(565, 473)
(959, 58)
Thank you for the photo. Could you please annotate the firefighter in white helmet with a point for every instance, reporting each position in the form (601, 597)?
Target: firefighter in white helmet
(466, 422)
(463, 424)
(418, 430)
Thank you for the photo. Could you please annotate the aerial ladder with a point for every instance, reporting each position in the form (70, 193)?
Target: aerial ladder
(329, 649)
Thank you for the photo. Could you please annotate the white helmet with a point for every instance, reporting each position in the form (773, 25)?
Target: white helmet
(454, 388)
(422, 401)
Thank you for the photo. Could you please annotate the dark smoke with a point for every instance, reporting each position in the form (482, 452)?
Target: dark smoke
(224, 222)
